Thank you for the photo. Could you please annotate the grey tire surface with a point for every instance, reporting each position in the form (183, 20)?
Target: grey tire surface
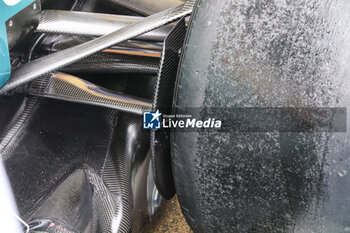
(290, 54)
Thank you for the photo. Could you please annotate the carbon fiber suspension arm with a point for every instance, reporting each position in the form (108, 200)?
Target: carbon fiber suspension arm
(92, 24)
(44, 65)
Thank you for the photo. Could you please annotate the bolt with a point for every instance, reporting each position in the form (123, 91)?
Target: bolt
(34, 6)
(11, 23)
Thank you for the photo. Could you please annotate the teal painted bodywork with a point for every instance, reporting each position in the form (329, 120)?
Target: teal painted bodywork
(7, 12)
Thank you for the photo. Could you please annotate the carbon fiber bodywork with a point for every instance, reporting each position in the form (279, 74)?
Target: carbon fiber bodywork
(162, 101)
(13, 113)
(39, 67)
(75, 168)
(147, 7)
(111, 61)
(92, 24)
(76, 153)
(73, 89)
(114, 63)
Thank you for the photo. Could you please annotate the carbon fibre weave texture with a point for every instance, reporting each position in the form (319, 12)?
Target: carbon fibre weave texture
(58, 146)
(83, 202)
(92, 24)
(41, 66)
(147, 7)
(13, 112)
(99, 62)
(114, 63)
(120, 168)
(73, 89)
(51, 144)
(60, 140)
(83, 169)
(162, 101)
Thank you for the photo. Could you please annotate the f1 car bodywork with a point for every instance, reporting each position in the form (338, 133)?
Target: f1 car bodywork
(84, 82)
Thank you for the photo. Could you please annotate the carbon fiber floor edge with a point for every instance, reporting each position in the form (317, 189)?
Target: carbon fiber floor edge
(55, 140)
(64, 156)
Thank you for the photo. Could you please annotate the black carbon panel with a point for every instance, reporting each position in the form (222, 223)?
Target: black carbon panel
(73, 89)
(99, 62)
(70, 170)
(13, 112)
(57, 139)
(146, 7)
(74, 5)
(82, 203)
(29, 71)
(131, 143)
(114, 63)
(163, 97)
(71, 173)
(72, 166)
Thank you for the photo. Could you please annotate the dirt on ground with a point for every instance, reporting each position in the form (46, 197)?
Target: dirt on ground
(168, 218)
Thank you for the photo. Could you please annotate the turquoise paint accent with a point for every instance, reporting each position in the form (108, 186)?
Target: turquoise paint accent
(7, 12)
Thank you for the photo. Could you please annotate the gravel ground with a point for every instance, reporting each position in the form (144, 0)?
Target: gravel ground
(168, 218)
